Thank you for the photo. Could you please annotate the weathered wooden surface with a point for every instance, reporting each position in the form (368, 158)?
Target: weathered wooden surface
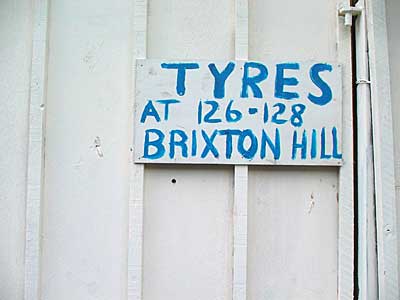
(15, 62)
(393, 23)
(382, 134)
(275, 112)
(87, 183)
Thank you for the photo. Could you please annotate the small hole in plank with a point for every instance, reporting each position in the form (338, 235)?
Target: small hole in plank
(173, 180)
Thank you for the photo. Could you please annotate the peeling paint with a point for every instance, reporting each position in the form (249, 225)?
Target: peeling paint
(97, 145)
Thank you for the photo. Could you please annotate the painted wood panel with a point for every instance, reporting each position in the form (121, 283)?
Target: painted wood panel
(393, 23)
(85, 209)
(271, 193)
(383, 141)
(191, 29)
(15, 62)
(89, 135)
(187, 246)
(292, 250)
(200, 119)
(188, 30)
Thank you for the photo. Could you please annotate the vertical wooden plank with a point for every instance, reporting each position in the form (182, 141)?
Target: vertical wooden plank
(346, 175)
(240, 233)
(366, 263)
(241, 29)
(15, 69)
(393, 23)
(187, 232)
(388, 278)
(239, 281)
(35, 169)
(135, 243)
(315, 31)
(135, 239)
(87, 170)
(292, 233)
(183, 257)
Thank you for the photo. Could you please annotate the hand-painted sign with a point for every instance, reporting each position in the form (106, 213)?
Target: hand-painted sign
(238, 112)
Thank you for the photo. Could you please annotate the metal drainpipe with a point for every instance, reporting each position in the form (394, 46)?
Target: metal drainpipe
(367, 257)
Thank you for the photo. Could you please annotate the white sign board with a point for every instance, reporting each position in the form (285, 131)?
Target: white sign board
(238, 112)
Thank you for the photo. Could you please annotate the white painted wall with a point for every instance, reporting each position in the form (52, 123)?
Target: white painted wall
(188, 233)
(293, 213)
(292, 232)
(191, 29)
(393, 22)
(15, 61)
(86, 195)
(197, 210)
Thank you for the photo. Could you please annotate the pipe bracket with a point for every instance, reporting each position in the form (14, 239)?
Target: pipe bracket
(348, 12)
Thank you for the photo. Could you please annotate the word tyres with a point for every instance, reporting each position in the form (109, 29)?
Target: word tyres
(238, 112)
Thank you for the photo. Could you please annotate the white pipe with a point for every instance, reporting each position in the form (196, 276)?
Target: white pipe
(367, 260)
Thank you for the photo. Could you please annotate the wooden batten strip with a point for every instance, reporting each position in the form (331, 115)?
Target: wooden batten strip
(35, 166)
(239, 280)
(135, 242)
